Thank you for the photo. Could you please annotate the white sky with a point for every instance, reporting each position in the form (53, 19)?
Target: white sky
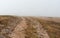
(30, 7)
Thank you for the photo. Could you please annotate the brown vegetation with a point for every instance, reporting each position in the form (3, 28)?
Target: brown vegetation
(29, 27)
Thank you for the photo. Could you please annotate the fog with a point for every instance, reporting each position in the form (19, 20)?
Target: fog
(30, 7)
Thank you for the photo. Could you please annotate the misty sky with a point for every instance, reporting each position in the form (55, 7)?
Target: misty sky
(30, 7)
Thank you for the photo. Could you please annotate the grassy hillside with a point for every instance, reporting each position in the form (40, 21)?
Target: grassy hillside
(29, 27)
(52, 27)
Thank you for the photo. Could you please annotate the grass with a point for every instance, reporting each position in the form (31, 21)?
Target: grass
(53, 28)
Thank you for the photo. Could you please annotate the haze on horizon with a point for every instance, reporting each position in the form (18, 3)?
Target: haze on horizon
(30, 7)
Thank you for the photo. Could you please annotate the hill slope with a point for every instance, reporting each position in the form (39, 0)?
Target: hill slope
(29, 27)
